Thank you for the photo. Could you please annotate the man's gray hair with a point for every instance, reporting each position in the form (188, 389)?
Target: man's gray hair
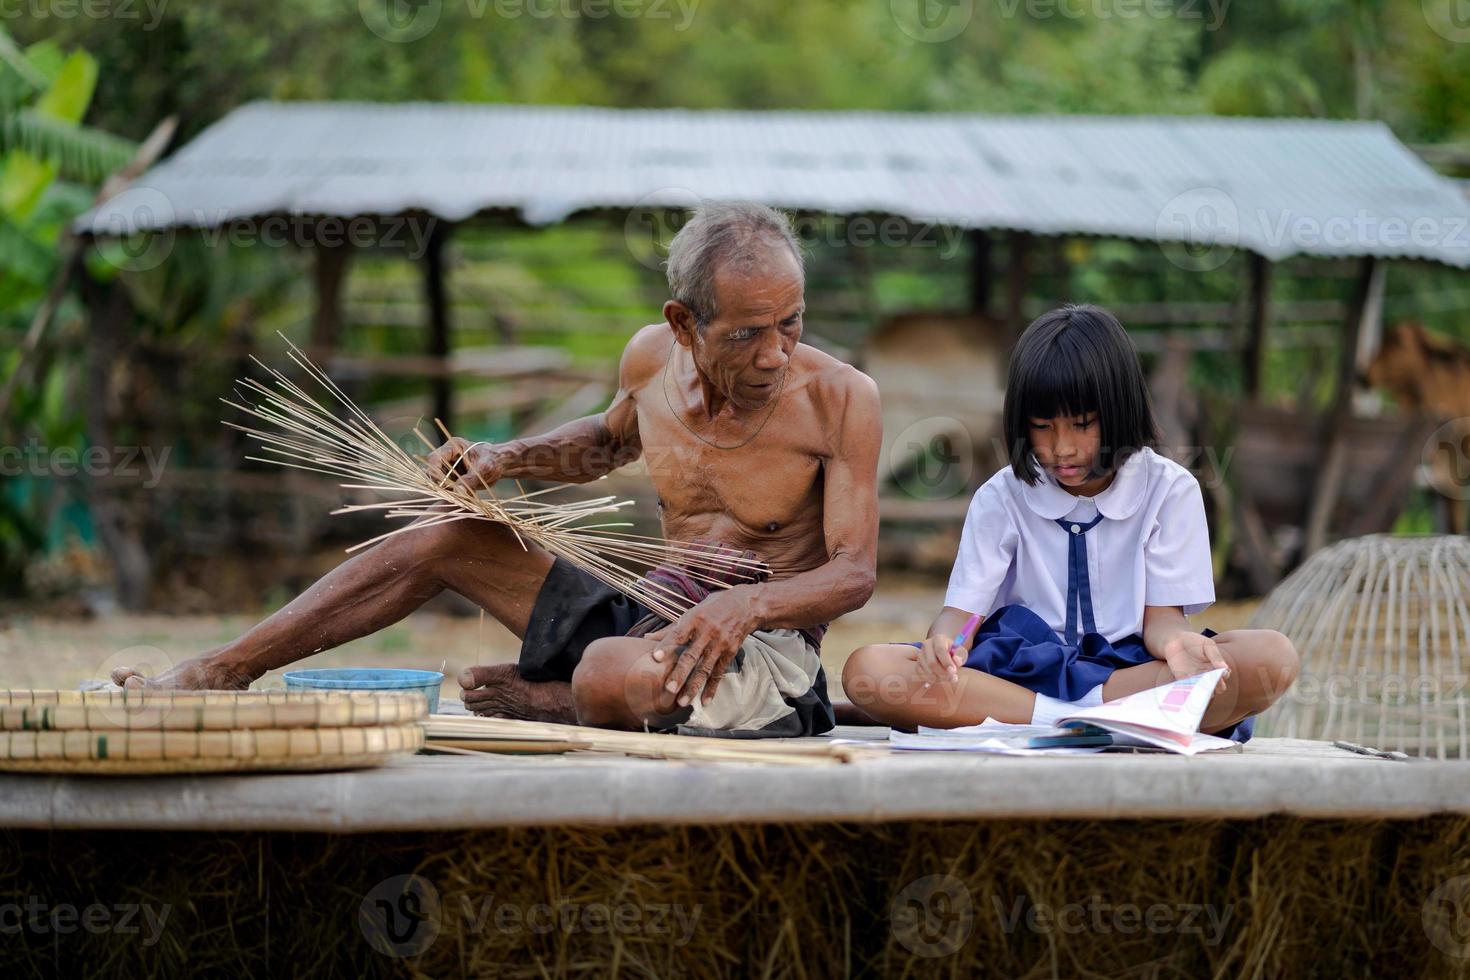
(716, 235)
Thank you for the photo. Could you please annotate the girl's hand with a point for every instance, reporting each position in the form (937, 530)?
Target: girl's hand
(1189, 653)
(935, 663)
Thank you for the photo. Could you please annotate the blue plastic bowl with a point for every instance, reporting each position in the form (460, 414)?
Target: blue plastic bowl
(426, 682)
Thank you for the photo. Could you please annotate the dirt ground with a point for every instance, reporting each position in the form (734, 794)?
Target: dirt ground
(55, 651)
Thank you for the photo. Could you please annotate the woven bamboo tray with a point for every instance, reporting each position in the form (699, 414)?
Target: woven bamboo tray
(165, 752)
(198, 711)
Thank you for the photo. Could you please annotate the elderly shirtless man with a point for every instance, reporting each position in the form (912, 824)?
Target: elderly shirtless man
(752, 440)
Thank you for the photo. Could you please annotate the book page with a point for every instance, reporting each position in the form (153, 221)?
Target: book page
(1173, 710)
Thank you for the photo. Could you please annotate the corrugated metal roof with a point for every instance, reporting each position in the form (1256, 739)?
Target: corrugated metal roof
(1278, 187)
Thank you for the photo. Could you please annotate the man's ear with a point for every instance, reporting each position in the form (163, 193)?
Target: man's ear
(681, 320)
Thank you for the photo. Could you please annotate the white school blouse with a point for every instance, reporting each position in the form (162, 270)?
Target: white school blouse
(1151, 547)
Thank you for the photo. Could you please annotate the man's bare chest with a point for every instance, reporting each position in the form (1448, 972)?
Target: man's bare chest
(771, 480)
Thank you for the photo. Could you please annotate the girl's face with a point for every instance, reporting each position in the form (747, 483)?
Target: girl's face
(1067, 447)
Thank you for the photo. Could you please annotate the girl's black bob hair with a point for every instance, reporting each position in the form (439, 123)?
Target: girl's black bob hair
(1071, 361)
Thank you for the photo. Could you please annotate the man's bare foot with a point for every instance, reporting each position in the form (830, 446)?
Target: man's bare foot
(199, 674)
(498, 691)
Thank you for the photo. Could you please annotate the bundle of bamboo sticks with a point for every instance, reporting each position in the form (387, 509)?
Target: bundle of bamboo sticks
(459, 734)
(334, 436)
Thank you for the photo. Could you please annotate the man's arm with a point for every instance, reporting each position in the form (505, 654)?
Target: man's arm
(711, 632)
(580, 451)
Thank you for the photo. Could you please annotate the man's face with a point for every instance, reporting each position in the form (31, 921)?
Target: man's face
(744, 350)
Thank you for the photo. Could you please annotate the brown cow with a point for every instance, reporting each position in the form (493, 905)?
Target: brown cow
(1429, 374)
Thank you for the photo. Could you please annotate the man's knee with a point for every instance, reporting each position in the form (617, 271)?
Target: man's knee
(611, 682)
(431, 547)
(592, 691)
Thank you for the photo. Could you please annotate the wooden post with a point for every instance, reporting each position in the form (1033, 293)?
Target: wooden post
(1258, 299)
(1061, 268)
(1329, 476)
(1370, 339)
(109, 317)
(980, 275)
(330, 272)
(438, 301)
(1016, 282)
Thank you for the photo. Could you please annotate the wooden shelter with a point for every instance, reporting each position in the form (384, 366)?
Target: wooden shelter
(1203, 188)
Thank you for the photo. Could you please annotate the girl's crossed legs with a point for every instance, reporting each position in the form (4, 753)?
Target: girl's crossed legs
(884, 681)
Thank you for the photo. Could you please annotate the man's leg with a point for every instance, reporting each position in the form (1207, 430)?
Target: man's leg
(618, 684)
(482, 561)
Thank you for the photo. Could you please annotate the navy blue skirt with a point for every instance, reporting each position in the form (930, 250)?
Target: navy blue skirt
(1015, 643)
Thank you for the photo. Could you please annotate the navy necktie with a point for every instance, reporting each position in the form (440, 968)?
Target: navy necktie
(1079, 590)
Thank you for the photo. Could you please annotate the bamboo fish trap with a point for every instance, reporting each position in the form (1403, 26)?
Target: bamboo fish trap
(1382, 625)
(335, 437)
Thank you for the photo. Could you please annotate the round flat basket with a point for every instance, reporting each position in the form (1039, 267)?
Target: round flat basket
(139, 753)
(199, 711)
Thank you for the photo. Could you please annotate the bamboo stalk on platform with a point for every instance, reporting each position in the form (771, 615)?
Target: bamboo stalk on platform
(335, 437)
(504, 734)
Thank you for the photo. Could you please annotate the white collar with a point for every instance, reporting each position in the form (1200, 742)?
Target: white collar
(1119, 501)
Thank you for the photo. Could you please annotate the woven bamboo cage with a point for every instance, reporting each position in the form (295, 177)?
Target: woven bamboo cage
(1382, 625)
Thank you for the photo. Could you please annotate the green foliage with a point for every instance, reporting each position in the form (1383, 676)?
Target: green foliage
(46, 158)
(1249, 82)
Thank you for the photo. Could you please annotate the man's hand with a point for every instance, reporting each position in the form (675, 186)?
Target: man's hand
(473, 465)
(1189, 653)
(936, 664)
(701, 645)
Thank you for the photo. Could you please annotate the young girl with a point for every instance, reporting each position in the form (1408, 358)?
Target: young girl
(1085, 557)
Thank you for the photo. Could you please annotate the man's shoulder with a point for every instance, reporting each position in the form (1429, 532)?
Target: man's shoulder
(834, 379)
(644, 354)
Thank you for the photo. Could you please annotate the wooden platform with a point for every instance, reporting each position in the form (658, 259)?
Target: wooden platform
(436, 793)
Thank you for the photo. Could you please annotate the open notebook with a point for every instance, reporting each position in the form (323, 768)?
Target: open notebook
(1163, 718)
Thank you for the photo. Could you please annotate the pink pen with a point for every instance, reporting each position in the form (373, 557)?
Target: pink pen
(964, 634)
